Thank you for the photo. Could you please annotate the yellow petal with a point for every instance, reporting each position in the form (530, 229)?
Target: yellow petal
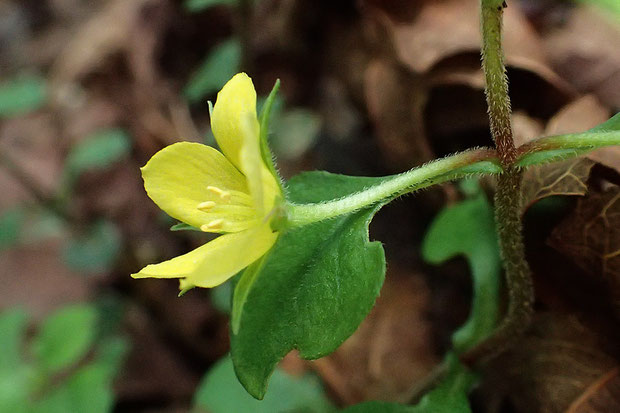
(261, 183)
(251, 159)
(236, 99)
(177, 178)
(216, 261)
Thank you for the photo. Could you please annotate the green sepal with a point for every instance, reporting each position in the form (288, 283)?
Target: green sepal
(563, 147)
(312, 290)
(182, 226)
(264, 118)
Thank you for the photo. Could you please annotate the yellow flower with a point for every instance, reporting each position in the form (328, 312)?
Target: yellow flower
(232, 193)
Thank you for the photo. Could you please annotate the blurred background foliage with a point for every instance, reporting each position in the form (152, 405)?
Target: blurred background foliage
(89, 90)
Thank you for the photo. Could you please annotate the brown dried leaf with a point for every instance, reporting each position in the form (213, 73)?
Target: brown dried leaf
(585, 52)
(525, 128)
(580, 115)
(35, 278)
(396, 101)
(590, 236)
(601, 396)
(560, 178)
(103, 35)
(440, 29)
(558, 363)
(426, 33)
(569, 177)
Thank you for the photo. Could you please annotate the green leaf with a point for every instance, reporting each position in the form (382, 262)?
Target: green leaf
(611, 7)
(450, 396)
(86, 391)
(199, 5)
(15, 375)
(111, 354)
(468, 229)
(220, 392)
(97, 151)
(65, 337)
(562, 147)
(312, 290)
(22, 95)
(89, 389)
(95, 251)
(15, 388)
(41, 224)
(218, 67)
(13, 325)
(11, 223)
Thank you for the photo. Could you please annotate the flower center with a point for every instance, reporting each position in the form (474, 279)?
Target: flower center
(231, 211)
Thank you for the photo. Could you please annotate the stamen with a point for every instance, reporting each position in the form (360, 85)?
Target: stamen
(206, 206)
(224, 195)
(215, 224)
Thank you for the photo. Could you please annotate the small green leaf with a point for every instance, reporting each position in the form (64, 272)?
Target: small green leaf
(220, 392)
(13, 325)
(22, 95)
(41, 224)
(86, 391)
(65, 337)
(312, 290)
(450, 396)
(200, 5)
(95, 251)
(562, 147)
(219, 66)
(15, 388)
(110, 355)
(468, 228)
(97, 151)
(11, 223)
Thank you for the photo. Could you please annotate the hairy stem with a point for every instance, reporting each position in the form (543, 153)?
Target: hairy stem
(507, 196)
(477, 161)
(518, 278)
(496, 81)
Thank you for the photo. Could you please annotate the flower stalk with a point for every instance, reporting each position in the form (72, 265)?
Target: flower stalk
(476, 161)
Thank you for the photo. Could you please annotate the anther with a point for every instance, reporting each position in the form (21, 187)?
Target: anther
(225, 195)
(215, 224)
(206, 206)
